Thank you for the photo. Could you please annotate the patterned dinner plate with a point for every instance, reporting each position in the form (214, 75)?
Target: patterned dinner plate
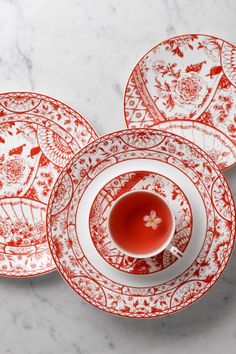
(187, 85)
(38, 136)
(140, 159)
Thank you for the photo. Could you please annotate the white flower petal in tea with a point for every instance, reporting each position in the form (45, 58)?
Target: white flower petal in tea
(152, 220)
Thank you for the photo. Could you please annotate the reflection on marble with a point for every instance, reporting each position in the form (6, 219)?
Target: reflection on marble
(82, 52)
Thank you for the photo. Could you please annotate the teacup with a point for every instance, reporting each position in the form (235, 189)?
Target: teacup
(142, 224)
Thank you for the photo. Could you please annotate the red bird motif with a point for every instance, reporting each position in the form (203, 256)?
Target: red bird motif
(195, 67)
(16, 151)
(215, 71)
(34, 151)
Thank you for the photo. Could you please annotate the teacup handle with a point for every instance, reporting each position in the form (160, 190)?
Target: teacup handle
(174, 250)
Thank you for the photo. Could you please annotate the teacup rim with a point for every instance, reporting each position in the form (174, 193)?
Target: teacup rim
(155, 252)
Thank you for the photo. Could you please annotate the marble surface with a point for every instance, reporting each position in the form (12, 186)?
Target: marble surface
(81, 52)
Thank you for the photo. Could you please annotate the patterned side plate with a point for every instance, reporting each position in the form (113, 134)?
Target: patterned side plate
(156, 293)
(188, 78)
(38, 136)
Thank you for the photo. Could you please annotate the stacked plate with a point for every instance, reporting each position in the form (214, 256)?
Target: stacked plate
(59, 182)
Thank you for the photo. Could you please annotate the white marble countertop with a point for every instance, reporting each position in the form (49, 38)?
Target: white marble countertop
(81, 52)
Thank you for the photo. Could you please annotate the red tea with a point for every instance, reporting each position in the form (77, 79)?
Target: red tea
(141, 223)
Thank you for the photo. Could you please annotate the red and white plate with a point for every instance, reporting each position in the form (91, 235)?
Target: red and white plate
(189, 83)
(38, 136)
(88, 186)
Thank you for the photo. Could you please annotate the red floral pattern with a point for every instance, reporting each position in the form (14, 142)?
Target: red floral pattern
(188, 88)
(22, 233)
(13, 169)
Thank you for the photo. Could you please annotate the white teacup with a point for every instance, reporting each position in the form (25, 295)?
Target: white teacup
(142, 224)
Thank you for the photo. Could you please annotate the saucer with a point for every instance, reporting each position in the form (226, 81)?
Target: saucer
(156, 293)
(38, 136)
(133, 181)
(188, 82)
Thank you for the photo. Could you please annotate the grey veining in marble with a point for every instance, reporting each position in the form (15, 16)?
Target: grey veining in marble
(82, 52)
